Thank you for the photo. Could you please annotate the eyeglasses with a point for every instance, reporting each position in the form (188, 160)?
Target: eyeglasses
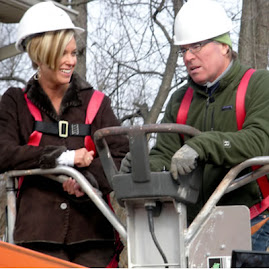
(193, 48)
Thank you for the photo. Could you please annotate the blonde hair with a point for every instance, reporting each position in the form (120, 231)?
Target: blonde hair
(48, 48)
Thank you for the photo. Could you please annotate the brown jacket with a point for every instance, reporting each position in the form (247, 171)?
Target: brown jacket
(44, 211)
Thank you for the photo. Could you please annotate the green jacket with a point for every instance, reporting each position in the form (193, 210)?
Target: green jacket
(220, 146)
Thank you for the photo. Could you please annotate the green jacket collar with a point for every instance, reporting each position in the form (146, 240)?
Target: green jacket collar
(231, 79)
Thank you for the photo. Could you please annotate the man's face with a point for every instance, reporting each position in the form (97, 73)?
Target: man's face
(206, 64)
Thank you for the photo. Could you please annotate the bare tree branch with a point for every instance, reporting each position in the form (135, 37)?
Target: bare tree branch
(74, 2)
(154, 16)
(13, 78)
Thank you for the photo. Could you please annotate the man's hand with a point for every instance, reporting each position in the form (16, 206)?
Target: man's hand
(183, 161)
(126, 165)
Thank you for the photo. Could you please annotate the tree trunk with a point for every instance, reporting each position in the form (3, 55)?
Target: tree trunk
(167, 78)
(165, 86)
(254, 34)
(81, 21)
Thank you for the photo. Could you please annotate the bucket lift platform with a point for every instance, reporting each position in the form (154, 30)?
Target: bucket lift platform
(157, 234)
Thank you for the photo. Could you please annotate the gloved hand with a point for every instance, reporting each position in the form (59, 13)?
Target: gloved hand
(126, 165)
(183, 161)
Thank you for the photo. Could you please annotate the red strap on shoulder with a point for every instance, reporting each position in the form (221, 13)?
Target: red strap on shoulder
(263, 184)
(92, 109)
(257, 209)
(35, 137)
(240, 102)
(240, 98)
(240, 118)
(93, 106)
(184, 107)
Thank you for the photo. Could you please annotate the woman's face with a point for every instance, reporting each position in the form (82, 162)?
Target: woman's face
(63, 72)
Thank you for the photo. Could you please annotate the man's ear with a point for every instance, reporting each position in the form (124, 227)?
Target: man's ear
(225, 49)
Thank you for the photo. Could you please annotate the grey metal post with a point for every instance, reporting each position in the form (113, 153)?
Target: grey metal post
(84, 184)
(222, 189)
(11, 208)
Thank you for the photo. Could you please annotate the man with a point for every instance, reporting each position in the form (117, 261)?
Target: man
(202, 32)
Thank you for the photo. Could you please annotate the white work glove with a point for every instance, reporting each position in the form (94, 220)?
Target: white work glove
(183, 161)
(126, 166)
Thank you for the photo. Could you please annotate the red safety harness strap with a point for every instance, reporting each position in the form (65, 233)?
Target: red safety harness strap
(240, 118)
(240, 98)
(257, 209)
(92, 110)
(35, 137)
(185, 106)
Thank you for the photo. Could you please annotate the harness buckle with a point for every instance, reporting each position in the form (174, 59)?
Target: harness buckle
(63, 128)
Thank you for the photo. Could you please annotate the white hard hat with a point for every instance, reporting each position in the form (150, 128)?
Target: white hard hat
(200, 20)
(40, 18)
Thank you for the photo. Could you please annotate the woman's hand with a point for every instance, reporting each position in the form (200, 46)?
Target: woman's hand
(72, 187)
(83, 157)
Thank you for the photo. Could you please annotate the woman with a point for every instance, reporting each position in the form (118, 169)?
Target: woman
(52, 218)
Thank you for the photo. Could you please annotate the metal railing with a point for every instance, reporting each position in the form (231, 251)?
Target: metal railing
(60, 173)
(229, 183)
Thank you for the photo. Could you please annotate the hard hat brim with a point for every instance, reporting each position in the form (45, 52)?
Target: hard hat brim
(19, 44)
